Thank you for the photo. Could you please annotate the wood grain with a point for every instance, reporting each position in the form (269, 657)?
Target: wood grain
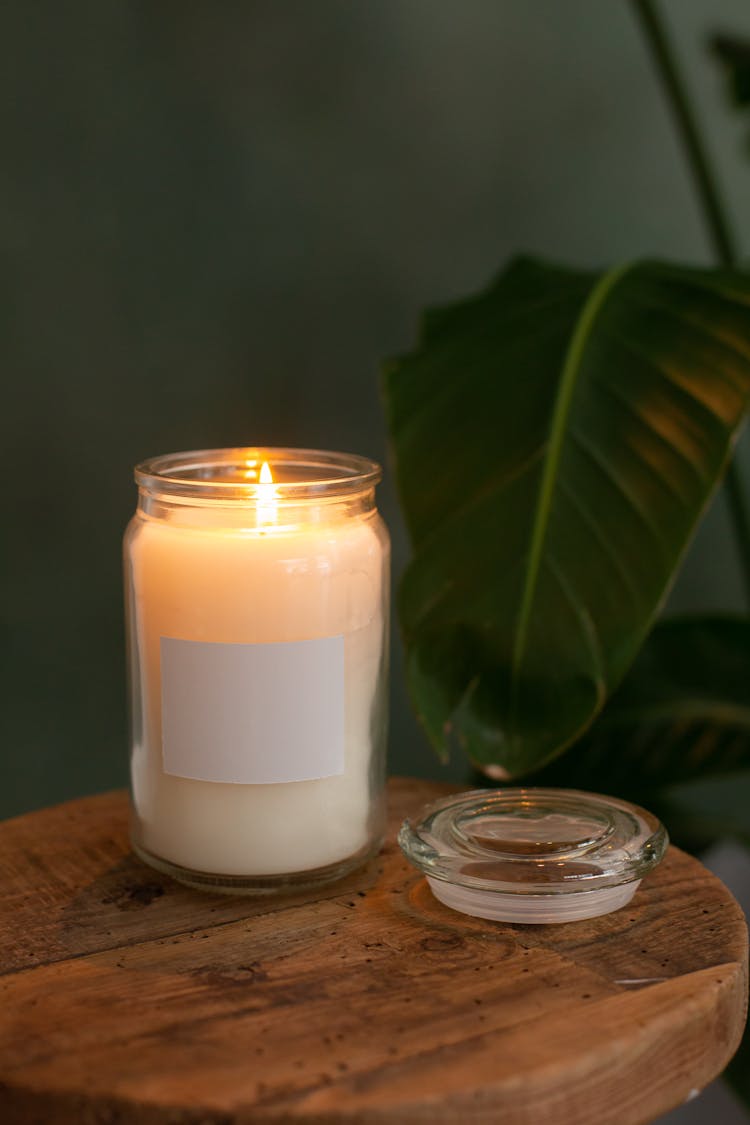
(127, 998)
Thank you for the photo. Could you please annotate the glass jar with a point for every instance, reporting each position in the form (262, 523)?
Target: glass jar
(257, 591)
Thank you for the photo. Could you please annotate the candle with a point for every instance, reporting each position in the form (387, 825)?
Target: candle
(257, 590)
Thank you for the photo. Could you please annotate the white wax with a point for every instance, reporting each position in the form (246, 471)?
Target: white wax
(236, 585)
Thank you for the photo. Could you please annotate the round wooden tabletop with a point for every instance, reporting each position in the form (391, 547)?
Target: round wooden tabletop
(127, 998)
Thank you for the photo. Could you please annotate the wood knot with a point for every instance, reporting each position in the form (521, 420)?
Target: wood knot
(131, 897)
(227, 975)
(441, 943)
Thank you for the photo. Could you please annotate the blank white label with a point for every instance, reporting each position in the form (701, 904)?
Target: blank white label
(253, 714)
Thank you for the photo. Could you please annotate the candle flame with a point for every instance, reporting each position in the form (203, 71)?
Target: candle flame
(266, 497)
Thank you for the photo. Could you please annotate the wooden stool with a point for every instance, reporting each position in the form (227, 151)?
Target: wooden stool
(126, 998)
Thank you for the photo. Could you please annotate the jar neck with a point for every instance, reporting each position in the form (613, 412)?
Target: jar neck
(264, 489)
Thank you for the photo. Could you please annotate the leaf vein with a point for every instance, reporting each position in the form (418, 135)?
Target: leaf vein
(602, 540)
(688, 461)
(616, 481)
(588, 626)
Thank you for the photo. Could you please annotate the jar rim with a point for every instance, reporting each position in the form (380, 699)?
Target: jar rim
(229, 473)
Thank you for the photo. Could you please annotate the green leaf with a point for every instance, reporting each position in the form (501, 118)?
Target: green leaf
(682, 713)
(556, 440)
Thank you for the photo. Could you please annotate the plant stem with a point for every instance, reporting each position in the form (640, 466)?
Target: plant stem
(695, 150)
(714, 215)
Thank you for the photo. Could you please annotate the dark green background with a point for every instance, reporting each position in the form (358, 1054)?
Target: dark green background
(216, 218)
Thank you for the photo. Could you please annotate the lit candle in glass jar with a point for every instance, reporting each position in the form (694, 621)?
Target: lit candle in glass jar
(257, 590)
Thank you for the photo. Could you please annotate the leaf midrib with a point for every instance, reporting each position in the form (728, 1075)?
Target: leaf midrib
(571, 370)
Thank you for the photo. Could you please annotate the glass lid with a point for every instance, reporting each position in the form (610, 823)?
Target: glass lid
(533, 855)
